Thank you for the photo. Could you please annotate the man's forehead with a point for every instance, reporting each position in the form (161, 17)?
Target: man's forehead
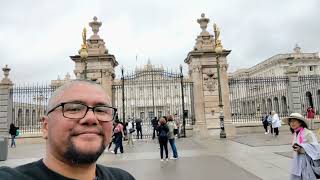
(81, 92)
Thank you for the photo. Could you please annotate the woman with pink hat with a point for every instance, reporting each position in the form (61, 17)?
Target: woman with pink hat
(305, 147)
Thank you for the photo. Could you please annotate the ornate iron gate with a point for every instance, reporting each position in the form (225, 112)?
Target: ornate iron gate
(29, 103)
(153, 92)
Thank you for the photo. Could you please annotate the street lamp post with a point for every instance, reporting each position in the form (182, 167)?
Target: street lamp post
(221, 117)
(219, 49)
(84, 51)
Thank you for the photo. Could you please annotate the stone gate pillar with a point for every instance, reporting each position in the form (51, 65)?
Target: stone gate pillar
(5, 102)
(100, 64)
(294, 94)
(202, 63)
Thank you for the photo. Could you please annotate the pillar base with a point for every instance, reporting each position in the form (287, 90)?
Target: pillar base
(200, 131)
(230, 130)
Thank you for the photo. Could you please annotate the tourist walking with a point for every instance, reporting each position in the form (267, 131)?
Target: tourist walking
(171, 136)
(305, 148)
(14, 132)
(310, 117)
(265, 123)
(139, 127)
(163, 137)
(118, 135)
(130, 131)
(269, 119)
(276, 123)
(177, 120)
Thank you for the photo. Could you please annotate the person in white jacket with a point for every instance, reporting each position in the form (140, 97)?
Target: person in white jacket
(306, 149)
(276, 123)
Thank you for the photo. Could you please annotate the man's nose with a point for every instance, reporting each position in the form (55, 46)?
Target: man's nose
(90, 118)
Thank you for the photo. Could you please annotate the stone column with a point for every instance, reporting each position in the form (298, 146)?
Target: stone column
(293, 89)
(200, 127)
(100, 64)
(5, 103)
(202, 63)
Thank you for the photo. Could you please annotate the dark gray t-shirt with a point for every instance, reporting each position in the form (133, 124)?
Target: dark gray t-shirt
(39, 171)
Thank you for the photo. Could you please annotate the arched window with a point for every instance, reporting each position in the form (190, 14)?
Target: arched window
(309, 99)
(263, 106)
(269, 105)
(318, 102)
(27, 117)
(14, 116)
(33, 118)
(276, 104)
(284, 107)
(20, 122)
(253, 107)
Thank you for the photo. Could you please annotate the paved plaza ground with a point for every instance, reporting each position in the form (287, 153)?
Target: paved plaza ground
(244, 157)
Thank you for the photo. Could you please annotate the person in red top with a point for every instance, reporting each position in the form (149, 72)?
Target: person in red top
(310, 116)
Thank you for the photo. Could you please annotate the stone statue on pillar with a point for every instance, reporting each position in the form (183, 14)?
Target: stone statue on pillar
(100, 64)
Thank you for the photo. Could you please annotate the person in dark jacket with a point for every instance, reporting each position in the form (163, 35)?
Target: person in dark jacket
(13, 132)
(154, 123)
(163, 131)
(139, 128)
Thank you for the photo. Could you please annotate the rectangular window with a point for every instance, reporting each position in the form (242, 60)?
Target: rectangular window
(150, 114)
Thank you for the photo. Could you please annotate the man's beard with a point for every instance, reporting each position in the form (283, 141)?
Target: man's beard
(76, 157)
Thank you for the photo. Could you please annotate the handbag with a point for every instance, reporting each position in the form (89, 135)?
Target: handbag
(175, 131)
(131, 130)
(17, 132)
(315, 165)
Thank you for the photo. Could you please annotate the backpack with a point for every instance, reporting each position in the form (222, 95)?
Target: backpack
(269, 119)
(163, 134)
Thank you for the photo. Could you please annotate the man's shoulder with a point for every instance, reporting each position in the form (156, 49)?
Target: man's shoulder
(7, 173)
(112, 173)
(16, 173)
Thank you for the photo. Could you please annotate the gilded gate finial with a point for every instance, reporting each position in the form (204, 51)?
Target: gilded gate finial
(84, 38)
(217, 40)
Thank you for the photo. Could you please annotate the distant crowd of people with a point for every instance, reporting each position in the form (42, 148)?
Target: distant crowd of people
(272, 122)
(166, 129)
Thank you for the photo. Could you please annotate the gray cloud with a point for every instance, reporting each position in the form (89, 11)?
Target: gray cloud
(37, 37)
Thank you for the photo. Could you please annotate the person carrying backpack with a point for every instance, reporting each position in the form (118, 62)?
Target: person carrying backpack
(163, 131)
(14, 132)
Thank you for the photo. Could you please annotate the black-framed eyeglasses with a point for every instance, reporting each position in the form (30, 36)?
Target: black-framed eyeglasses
(75, 110)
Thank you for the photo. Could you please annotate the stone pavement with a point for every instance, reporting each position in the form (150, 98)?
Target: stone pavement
(245, 157)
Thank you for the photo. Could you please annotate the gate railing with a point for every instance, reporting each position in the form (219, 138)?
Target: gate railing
(252, 98)
(29, 103)
(310, 93)
(153, 92)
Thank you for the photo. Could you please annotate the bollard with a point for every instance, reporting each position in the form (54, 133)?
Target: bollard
(3, 148)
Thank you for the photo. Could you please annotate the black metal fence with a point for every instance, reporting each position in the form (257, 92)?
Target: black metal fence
(153, 92)
(29, 103)
(310, 93)
(252, 98)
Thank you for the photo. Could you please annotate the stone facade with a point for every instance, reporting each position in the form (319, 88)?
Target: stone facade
(302, 92)
(307, 64)
(202, 63)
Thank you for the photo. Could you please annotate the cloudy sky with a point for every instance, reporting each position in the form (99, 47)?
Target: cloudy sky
(37, 37)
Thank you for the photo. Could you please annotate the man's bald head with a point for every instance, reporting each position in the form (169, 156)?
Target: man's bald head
(56, 96)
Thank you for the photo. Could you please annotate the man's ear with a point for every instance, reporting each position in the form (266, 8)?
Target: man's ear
(44, 121)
